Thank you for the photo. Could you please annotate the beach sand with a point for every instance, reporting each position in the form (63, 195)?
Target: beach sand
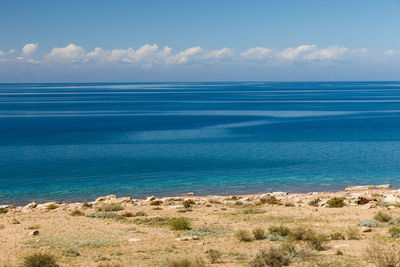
(141, 233)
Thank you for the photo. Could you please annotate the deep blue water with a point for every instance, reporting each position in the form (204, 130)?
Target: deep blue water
(79, 141)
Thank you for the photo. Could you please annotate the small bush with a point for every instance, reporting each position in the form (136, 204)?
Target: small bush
(251, 210)
(337, 236)
(77, 213)
(40, 260)
(3, 210)
(15, 221)
(52, 207)
(87, 205)
(383, 255)
(299, 232)
(111, 207)
(70, 253)
(353, 233)
(180, 223)
(339, 252)
(156, 203)
(243, 236)
(34, 227)
(314, 240)
(335, 202)
(186, 263)
(280, 230)
(140, 213)
(290, 204)
(259, 233)
(188, 203)
(382, 217)
(395, 221)
(269, 200)
(127, 214)
(369, 223)
(274, 257)
(103, 215)
(214, 201)
(214, 255)
(314, 202)
(394, 232)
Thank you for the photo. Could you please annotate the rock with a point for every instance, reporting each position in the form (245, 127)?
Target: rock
(123, 200)
(151, 198)
(279, 194)
(106, 199)
(359, 187)
(383, 186)
(4, 206)
(134, 240)
(365, 229)
(45, 206)
(32, 233)
(187, 238)
(362, 200)
(200, 244)
(190, 194)
(391, 199)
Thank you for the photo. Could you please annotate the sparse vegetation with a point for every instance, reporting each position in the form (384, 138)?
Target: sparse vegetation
(156, 203)
(395, 232)
(214, 255)
(272, 200)
(259, 233)
(15, 221)
(353, 233)
(395, 221)
(52, 207)
(274, 257)
(368, 223)
(140, 213)
(3, 210)
(280, 230)
(87, 205)
(186, 263)
(77, 213)
(383, 255)
(335, 202)
(188, 203)
(243, 236)
(111, 207)
(337, 236)
(315, 202)
(179, 223)
(70, 253)
(103, 215)
(40, 260)
(382, 217)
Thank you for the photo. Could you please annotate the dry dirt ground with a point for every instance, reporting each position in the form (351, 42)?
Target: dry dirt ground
(141, 234)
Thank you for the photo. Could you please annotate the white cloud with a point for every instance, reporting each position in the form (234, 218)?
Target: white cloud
(2, 53)
(257, 53)
(71, 53)
(29, 49)
(220, 53)
(312, 52)
(391, 53)
(184, 56)
(11, 51)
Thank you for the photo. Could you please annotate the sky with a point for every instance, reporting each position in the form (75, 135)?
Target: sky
(218, 40)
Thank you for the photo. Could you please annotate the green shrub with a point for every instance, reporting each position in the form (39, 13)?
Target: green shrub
(186, 263)
(259, 233)
(188, 203)
(179, 223)
(280, 230)
(335, 202)
(214, 255)
(382, 217)
(87, 205)
(70, 253)
(111, 207)
(337, 236)
(153, 221)
(369, 223)
(394, 232)
(77, 213)
(103, 215)
(395, 221)
(40, 260)
(269, 200)
(140, 213)
(156, 203)
(274, 257)
(314, 202)
(243, 236)
(52, 207)
(315, 241)
(299, 232)
(3, 210)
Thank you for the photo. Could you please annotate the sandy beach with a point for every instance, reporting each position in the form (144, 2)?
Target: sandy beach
(207, 230)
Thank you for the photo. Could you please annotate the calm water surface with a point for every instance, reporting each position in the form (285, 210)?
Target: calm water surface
(74, 142)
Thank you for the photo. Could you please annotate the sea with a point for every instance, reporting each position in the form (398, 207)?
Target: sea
(77, 141)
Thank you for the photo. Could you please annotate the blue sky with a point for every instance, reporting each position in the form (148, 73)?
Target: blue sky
(61, 41)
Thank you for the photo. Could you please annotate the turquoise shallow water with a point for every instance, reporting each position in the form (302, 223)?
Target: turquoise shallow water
(74, 142)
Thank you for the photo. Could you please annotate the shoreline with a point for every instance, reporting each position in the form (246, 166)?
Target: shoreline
(386, 189)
